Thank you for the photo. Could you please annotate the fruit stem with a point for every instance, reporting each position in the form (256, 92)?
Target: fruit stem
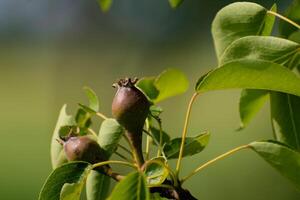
(99, 164)
(115, 176)
(101, 115)
(284, 18)
(201, 167)
(160, 137)
(184, 132)
(156, 142)
(108, 171)
(135, 139)
(148, 142)
(92, 132)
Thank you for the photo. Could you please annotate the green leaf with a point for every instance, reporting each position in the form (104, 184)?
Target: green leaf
(97, 186)
(285, 160)
(284, 107)
(74, 172)
(109, 135)
(72, 191)
(57, 155)
(156, 171)
(83, 121)
(285, 114)
(155, 110)
(170, 83)
(251, 102)
(236, 47)
(266, 48)
(93, 99)
(86, 111)
(105, 4)
(238, 20)
(66, 131)
(193, 145)
(295, 36)
(147, 86)
(286, 29)
(156, 134)
(175, 3)
(132, 187)
(269, 22)
(250, 74)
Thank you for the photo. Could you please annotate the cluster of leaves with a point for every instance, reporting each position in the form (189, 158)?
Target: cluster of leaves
(263, 66)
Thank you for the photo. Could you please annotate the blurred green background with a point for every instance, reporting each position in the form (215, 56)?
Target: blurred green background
(51, 49)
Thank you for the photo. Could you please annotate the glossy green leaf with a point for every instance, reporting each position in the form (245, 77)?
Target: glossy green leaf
(93, 99)
(83, 121)
(132, 187)
(193, 145)
(74, 172)
(170, 83)
(269, 22)
(105, 4)
(97, 186)
(156, 134)
(295, 36)
(250, 74)
(156, 171)
(284, 159)
(238, 20)
(109, 135)
(284, 107)
(237, 45)
(155, 110)
(72, 191)
(57, 155)
(86, 108)
(175, 3)
(266, 48)
(251, 102)
(286, 29)
(66, 131)
(148, 87)
(285, 113)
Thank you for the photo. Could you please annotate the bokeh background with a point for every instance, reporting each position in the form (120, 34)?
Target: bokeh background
(51, 49)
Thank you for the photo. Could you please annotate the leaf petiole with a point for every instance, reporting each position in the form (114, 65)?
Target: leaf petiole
(184, 132)
(201, 167)
(156, 142)
(284, 18)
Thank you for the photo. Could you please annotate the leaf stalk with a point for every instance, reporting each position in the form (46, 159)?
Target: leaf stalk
(228, 153)
(184, 132)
